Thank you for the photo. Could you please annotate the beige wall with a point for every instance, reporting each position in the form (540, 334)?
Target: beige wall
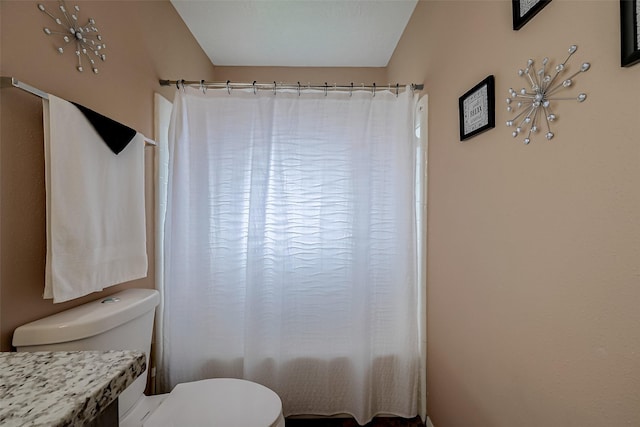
(146, 40)
(534, 251)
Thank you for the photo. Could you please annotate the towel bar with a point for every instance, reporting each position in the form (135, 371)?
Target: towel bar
(13, 82)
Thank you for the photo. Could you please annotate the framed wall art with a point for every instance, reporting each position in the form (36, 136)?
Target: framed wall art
(477, 109)
(629, 32)
(524, 10)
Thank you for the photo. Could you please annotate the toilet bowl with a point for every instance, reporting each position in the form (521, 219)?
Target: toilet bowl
(124, 321)
(224, 402)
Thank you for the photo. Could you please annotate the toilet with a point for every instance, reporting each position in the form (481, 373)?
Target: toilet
(124, 321)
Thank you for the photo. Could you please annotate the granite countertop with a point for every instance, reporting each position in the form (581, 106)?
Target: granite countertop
(66, 388)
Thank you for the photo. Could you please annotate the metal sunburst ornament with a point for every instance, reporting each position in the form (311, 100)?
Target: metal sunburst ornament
(87, 41)
(536, 102)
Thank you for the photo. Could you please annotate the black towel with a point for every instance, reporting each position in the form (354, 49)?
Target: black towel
(114, 134)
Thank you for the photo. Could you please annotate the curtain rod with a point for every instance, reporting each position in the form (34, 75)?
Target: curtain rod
(13, 82)
(296, 86)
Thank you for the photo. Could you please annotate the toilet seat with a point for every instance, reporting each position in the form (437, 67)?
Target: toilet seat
(223, 402)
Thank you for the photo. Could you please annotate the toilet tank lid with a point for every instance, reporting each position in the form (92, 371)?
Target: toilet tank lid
(88, 319)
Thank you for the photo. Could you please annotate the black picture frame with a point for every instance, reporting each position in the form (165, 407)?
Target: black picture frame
(477, 109)
(519, 19)
(629, 34)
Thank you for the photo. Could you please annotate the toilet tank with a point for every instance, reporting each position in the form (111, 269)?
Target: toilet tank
(122, 321)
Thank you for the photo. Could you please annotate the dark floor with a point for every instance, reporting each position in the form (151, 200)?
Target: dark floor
(348, 422)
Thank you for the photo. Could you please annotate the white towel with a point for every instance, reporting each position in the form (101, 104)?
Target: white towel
(96, 234)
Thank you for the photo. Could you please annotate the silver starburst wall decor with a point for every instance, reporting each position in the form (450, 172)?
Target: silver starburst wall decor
(84, 37)
(534, 106)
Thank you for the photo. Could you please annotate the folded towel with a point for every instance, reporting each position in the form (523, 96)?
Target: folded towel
(96, 234)
(114, 134)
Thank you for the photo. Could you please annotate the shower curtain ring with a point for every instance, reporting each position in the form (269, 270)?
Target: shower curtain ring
(182, 84)
(351, 90)
(374, 89)
(228, 87)
(204, 89)
(397, 89)
(275, 88)
(325, 88)
(298, 88)
(255, 92)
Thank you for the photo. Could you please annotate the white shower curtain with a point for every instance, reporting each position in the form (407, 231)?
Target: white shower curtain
(290, 247)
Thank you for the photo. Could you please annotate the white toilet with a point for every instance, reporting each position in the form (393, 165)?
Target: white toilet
(124, 321)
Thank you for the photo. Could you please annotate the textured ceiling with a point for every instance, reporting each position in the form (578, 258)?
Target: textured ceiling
(297, 33)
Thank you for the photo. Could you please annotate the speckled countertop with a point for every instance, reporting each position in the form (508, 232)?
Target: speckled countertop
(63, 388)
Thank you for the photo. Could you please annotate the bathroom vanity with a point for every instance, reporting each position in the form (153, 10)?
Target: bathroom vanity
(65, 388)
